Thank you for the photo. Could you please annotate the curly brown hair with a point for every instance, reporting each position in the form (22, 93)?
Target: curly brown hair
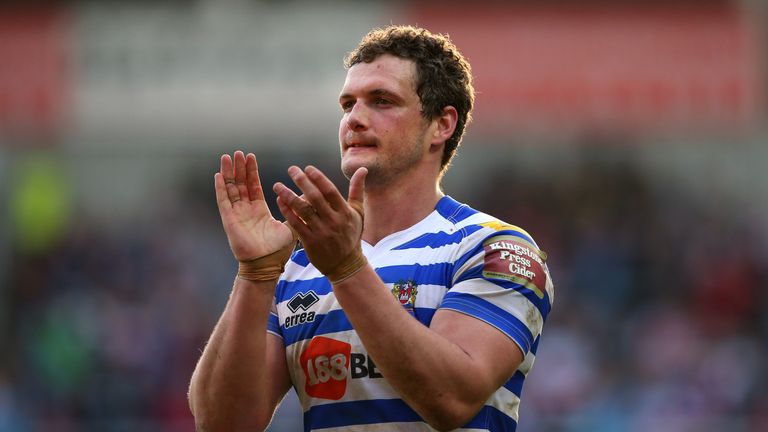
(443, 75)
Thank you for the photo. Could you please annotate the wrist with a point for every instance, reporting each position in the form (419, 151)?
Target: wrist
(348, 268)
(256, 272)
(265, 268)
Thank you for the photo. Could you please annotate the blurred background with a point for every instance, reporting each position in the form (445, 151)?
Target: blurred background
(628, 137)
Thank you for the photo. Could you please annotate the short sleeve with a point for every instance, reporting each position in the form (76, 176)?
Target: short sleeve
(503, 280)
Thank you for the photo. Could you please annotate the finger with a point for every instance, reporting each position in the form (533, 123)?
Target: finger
(228, 175)
(326, 187)
(311, 193)
(240, 174)
(357, 189)
(300, 207)
(226, 168)
(294, 222)
(221, 193)
(252, 180)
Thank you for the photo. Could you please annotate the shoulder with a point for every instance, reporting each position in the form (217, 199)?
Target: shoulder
(482, 230)
(502, 250)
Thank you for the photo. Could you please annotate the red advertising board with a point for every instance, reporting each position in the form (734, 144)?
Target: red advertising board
(623, 67)
(34, 66)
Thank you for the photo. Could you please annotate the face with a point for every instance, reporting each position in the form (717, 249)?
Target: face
(382, 127)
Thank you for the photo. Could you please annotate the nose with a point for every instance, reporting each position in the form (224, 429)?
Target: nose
(357, 117)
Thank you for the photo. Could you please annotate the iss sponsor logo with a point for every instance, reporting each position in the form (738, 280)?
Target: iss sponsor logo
(405, 292)
(514, 259)
(328, 364)
(326, 367)
(301, 302)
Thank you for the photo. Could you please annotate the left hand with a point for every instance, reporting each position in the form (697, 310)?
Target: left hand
(330, 227)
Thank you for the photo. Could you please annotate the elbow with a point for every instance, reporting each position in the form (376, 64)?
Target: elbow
(214, 420)
(450, 415)
(214, 414)
(448, 422)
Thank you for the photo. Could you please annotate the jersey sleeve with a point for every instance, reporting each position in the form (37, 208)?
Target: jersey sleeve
(502, 279)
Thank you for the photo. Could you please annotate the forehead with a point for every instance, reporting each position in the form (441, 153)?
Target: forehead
(385, 72)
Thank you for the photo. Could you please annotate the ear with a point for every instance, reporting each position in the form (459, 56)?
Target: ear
(445, 124)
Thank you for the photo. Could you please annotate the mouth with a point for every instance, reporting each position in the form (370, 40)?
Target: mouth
(359, 146)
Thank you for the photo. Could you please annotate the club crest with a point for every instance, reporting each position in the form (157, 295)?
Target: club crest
(405, 292)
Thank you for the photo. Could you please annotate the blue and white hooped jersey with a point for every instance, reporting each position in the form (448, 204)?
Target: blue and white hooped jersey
(456, 258)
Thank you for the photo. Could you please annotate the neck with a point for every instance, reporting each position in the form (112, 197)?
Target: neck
(394, 207)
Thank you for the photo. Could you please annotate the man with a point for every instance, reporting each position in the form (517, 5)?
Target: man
(405, 309)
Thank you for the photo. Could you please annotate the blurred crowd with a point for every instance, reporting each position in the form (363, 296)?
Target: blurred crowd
(658, 320)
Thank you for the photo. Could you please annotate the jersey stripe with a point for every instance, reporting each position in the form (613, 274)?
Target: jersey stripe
(535, 345)
(333, 322)
(300, 257)
(433, 274)
(439, 239)
(453, 210)
(475, 285)
(359, 413)
(424, 315)
(273, 325)
(490, 418)
(515, 384)
(287, 289)
(492, 314)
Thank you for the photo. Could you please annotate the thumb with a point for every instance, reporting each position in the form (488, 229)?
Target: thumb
(357, 189)
(294, 234)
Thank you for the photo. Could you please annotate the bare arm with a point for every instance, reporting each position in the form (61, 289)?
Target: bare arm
(445, 372)
(242, 374)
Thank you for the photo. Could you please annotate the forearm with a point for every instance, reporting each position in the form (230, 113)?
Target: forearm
(438, 379)
(230, 387)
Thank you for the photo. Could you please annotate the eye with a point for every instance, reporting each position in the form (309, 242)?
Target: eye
(382, 101)
(346, 106)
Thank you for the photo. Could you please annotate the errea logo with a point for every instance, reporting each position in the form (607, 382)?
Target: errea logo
(301, 301)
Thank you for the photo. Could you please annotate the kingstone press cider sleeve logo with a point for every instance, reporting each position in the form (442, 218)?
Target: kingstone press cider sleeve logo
(511, 258)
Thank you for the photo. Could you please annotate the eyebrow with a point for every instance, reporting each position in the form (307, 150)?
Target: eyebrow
(374, 92)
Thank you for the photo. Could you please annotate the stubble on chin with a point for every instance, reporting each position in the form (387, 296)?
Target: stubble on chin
(374, 170)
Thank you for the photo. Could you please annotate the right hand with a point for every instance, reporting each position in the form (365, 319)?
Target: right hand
(330, 227)
(251, 230)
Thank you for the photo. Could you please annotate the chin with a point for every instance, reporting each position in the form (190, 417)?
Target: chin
(349, 166)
